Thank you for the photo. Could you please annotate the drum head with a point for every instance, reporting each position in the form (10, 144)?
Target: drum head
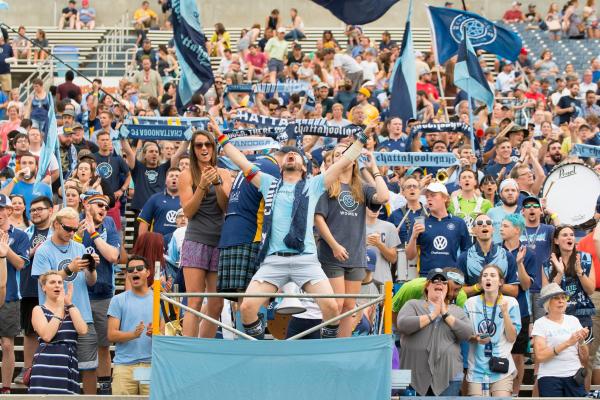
(571, 191)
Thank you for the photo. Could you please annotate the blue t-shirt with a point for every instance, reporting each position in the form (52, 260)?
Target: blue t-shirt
(243, 220)
(112, 168)
(579, 303)
(160, 212)
(497, 215)
(539, 241)
(5, 52)
(29, 285)
(472, 261)
(523, 295)
(27, 191)
(3, 99)
(397, 216)
(282, 212)
(131, 309)
(441, 242)
(147, 182)
(19, 243)
(105, 285)
(402, 144)
(50, 256)
(494, 168)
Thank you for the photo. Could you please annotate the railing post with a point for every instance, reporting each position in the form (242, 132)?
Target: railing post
(387, 308)
(156, 302)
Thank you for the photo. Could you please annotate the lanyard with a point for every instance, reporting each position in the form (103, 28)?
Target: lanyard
(493, 312)
(531, 242)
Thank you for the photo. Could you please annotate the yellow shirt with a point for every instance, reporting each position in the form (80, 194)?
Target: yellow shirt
(276, 48)
(141, 13)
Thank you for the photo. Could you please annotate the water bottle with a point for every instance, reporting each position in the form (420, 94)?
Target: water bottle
(485, 386)
(410, 392)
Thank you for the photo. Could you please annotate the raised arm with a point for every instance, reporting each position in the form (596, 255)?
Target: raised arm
(129, 153)
(351, 154)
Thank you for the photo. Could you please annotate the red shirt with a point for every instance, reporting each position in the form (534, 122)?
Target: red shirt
(513, 15)
(429, 89)
(537, 96)
(259, 60)
(587, 245)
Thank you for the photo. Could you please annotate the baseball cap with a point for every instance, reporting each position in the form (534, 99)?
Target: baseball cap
(436, 272)
(69, 112)
(371, 259)
(508, 183)
(94, 197)
(322, 85)
(456, 276)
(412, 170)
(84, 153)
(437, 187)
(364, 91)
(5, 201)
(293, 149)
(368, 83)
(281, 30)
(424, 71)
(76, 125)
(531, 199)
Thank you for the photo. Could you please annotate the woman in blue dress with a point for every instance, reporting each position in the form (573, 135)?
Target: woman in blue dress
(58, 323)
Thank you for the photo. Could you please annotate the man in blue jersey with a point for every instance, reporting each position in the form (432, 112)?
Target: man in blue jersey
(484, 252)
(509, 195)
(100, 237)
(241, 233)
(397, 140)
(442, 236)
(159, 213)
(14, 246)
(61, 253)
(288, 250)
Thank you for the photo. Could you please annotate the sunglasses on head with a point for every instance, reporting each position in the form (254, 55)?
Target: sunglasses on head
(69, 229)
(138, 268)
(531, 205)
(200, 145)
(481, 222)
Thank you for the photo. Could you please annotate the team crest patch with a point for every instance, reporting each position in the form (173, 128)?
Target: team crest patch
(479, 32)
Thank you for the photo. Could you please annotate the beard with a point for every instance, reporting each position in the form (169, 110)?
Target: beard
(509, 203)
(556, 157)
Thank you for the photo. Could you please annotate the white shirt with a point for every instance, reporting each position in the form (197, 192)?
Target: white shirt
(505, 82)
(346, 63)
(566, 363)
(585, 87)
(370, 69)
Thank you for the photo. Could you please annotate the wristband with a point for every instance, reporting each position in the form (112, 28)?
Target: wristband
(68, 271)
(251, 173)
(354, 151)
(69, 307)
(222, 140)
(477, 288)
(15, 180)
(94, 235)
(77, 238)
(553, 216)
(376, 175)
(429, 316)
(554, 351)
(445, 315)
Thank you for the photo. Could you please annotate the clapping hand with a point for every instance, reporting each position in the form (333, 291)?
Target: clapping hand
(139, 329)
(521, 254)
(4, 246)
(69, 294)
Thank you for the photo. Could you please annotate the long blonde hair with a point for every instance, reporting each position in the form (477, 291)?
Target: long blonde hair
(356, 186)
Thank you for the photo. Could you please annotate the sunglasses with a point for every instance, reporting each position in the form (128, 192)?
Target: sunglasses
(200, 145)
(69, 229)
(438, 280)
(103, 206)
(480, 222)
(138, 268)
(531, 205)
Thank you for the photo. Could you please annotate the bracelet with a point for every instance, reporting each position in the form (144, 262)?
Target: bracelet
(376, 175)
(69, 307)
(68, 271)
(15, 180)
(77, 238)
(445, 315)
(554, 351)
(430, 319)
(222, 140)
(477, 288)
(94, 235)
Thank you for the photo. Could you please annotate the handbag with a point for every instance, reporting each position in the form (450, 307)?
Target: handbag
(553, 25)
(498, 364)
(579, 376)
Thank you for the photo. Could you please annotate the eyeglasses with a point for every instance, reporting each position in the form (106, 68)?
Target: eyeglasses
(138, 268)
(408, 187)
(560, 297)
(481, 222)
(531, 205)
(528, 173)
(200, 145)
(69, 229)
(37, 210)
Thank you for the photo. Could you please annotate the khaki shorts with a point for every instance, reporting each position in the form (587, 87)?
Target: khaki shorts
(123, 383)
(6, 82)
(503, 385)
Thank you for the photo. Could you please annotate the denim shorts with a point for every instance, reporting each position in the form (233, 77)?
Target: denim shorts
(300, 269)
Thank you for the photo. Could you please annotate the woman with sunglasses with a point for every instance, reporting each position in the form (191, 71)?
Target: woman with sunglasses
(204, 194)
(572, 271)
(559, 345)
(18, 218)
(496, 322)
(342, 252)
(431, 330)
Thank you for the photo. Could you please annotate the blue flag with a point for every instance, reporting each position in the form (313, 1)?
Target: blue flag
(448, 25)
(469, 76)
(357, 12)
(403, 84)
(190, 46)
(50, 142)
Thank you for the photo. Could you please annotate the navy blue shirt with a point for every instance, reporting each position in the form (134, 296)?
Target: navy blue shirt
(472, 261)
(245, 208)
(397, 216)
(19, 243)
(160, 212)
(104, 286)
(494, 168)
(441, 242)
(539, 241)
(402, 144)
(147, 182)
(5, 52)
(29, 285)
(529, 262)
(112, 168)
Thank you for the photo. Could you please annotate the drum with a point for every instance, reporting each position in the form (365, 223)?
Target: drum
(406, 269)
(571, 191)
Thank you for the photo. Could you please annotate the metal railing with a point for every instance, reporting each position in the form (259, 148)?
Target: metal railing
(45, 71)
(385, 298)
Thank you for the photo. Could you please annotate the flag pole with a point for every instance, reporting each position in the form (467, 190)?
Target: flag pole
(471, 121)
(440, 84)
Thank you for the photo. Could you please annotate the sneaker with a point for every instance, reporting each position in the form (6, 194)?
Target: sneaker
(19, 378)
(5, 391)
(104, 388)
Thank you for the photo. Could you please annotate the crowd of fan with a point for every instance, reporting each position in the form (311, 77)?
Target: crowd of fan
(497, 270)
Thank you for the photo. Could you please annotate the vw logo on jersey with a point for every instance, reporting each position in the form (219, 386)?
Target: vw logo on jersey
(64, 264)
(487, 326)
(440, 243)
(479, 32)
(171, 216)
(90, 250)
(347, 202)
(104, 169)
(152, 176)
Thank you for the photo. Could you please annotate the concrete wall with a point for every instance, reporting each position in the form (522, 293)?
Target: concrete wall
(241, 12)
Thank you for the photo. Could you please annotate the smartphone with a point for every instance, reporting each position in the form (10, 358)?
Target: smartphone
(484, 335)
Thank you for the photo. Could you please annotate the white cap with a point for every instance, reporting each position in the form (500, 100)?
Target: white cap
(508, 183)
(418, 53)
(281, 29)
(368, 83)
(437, 187)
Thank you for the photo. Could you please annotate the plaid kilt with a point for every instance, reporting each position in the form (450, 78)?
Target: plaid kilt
(237, 266)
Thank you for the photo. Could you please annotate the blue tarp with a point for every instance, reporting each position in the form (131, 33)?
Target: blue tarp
(352, 368)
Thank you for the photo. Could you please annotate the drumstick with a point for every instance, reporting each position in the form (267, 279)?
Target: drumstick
(549, 188)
